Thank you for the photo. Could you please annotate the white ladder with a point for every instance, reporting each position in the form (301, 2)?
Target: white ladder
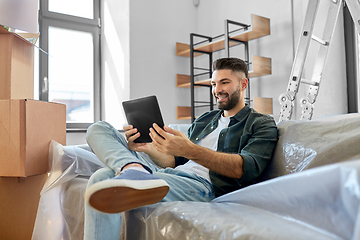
(287, 99)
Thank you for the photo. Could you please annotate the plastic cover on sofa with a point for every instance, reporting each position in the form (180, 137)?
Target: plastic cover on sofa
(307, 144)
(319, 203)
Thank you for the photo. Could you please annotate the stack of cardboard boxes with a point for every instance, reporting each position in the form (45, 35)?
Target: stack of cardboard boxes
(26, 129)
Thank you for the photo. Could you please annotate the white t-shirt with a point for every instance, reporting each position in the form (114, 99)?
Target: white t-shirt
(211, 142)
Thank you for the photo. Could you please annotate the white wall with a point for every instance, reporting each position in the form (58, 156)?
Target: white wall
(139, 58)
(155, 27)
(115, 59)
(162, 23)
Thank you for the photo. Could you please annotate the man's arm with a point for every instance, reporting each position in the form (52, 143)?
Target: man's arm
(175, 143)
(161, 159)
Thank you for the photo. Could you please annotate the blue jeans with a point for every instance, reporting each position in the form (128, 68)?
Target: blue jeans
(112, 149)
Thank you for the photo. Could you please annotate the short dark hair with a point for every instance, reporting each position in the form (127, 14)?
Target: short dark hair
(234, 64)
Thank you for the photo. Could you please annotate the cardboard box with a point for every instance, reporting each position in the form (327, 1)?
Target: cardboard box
(19, 200)
(16, 66)
(26, 130)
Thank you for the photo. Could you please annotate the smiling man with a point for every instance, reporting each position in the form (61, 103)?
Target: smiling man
(228, 87)
(224, 150)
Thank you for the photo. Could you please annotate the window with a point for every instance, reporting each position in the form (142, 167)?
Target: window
(70, 73)
(352, 56)
(358, 69)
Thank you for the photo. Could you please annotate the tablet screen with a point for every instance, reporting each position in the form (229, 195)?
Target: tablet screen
(142, 113)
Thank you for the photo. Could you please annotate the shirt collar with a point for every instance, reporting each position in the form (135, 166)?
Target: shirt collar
(242, 113)
(239, 116)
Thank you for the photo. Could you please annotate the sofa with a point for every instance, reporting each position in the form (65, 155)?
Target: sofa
(310, 190)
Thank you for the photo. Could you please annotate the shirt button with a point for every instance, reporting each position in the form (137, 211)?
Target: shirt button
(197, 139)
(212, 127)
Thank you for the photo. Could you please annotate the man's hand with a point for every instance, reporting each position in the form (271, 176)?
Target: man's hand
(175, 143)
(172, 142)
(158, 157)
(131, 135)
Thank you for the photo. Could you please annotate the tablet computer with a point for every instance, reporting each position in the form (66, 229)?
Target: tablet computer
(142, 113)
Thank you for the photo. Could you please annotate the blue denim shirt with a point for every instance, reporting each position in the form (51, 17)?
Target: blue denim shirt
(249, 134)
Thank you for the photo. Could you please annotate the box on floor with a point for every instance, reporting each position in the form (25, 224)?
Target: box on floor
(19, 200)
(26, 129)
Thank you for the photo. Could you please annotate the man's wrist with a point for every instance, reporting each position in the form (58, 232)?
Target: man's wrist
(194, 151)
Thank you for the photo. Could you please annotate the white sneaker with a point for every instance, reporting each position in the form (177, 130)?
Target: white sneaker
(130, 189)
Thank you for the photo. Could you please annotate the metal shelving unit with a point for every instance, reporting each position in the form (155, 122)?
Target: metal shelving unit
(208, 45)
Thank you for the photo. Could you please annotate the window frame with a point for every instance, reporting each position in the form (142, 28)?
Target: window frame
(351, 55)
(357, 61)
(51, 19)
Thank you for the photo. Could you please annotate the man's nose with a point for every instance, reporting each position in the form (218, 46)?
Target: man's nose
(217, 89)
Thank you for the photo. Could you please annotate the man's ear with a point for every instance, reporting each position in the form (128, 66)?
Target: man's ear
(244, 83)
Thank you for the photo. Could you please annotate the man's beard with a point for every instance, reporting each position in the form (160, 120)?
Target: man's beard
(232, 101)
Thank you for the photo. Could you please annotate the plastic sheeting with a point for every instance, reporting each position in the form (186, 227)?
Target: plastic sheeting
(307, 144)
(325, 198)
(61, 208)
(319, 203)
